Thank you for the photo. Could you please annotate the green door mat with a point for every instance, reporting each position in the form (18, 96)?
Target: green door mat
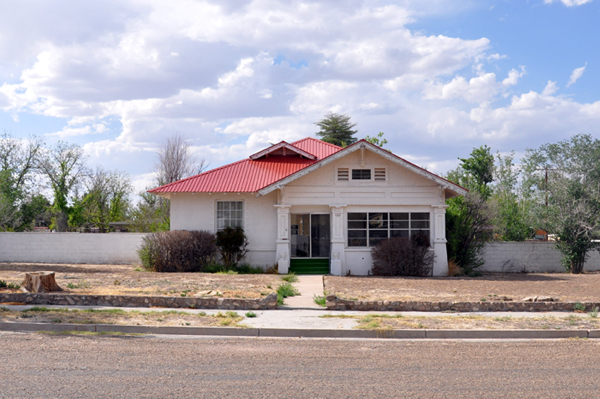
(309, 266)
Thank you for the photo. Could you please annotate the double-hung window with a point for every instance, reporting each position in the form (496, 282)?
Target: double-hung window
(230, 214)
(368, 229)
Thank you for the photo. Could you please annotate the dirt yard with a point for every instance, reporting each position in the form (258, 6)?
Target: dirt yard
(40, 314)
(125, 280)
(491, 287)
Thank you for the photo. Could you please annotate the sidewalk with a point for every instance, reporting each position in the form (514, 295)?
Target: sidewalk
(309, 323)
(309, 286)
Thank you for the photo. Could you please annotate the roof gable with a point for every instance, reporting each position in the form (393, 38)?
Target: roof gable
(365, 145)
(282, 149)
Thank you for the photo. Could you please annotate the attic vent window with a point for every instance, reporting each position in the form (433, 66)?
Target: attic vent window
(379, 174)
(343, 174)
(361, 174)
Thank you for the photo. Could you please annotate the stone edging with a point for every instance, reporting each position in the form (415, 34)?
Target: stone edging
(335, 303)
(267, 303)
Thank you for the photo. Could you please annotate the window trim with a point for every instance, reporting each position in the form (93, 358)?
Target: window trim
(388, 229)
(347, 172)
(242, 220)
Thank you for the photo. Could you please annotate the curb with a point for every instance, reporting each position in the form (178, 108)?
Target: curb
(301, 332)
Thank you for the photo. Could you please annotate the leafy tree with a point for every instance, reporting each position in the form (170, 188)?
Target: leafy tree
(64, 166)
(467, 230)
(568, 195)
(468, 218)
(378, 140)
(18, 164)
(512, 210)
(106, 200)
(477, 171)
(337, 129)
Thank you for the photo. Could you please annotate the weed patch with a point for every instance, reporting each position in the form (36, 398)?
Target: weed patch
(320, 300)
(286, 290)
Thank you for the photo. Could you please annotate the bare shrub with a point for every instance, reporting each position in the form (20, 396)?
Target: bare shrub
(402, 257)
(178, 251)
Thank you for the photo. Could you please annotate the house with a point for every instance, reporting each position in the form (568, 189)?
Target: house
(313, 207)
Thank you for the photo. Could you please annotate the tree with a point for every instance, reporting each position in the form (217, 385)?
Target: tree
(106, 200)
(468, 218)
(568, 195)
(18, 164)
(337, 129)
(176, 161)
(378, 140)
(477, 171)
(511, 209)
(64, 166)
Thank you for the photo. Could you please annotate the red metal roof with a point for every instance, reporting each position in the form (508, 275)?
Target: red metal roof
(251, 175)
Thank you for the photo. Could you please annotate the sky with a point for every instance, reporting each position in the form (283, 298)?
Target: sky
(438, 77)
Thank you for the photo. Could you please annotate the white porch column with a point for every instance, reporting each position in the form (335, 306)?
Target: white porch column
(440, 265)
(283, 238)
(338, 243)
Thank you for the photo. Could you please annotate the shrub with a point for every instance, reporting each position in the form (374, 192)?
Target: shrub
(402, 257)
(232, 244)
(178, 251)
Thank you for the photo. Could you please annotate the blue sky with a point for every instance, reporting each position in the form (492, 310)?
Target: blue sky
(439, 77)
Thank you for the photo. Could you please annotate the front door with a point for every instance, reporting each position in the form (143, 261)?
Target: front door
(310, 243)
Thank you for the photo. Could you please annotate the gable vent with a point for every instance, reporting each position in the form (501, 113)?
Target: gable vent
(379, 174)
(343, 174)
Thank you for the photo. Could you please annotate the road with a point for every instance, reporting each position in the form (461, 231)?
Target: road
(45, 366)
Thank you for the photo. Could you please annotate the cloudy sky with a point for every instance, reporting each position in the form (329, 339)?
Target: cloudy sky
(439, 77)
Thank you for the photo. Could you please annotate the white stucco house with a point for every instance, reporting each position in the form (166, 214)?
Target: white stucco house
(313, 207)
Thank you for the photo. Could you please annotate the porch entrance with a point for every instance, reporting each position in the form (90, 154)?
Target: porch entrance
(310, 243)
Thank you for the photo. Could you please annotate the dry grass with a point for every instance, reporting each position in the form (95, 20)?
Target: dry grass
(125, 280)
(118, 316)
(399, 322)
(565, 287)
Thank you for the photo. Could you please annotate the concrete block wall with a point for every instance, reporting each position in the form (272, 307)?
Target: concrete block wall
(110, 248)
(529, 256)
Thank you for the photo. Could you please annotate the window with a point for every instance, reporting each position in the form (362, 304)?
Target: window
(367, 229)
(230, 214)
(361, 174)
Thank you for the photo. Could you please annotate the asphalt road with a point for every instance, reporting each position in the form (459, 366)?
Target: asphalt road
(43, 366)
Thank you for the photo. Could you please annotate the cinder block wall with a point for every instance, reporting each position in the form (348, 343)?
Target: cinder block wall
(529, 256)
(110, 248)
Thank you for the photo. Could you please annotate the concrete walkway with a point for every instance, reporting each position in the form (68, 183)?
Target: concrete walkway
(309, 286)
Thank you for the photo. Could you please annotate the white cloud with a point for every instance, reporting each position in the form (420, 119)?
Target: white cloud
(234, 77)
(576, 74)
(569, 3)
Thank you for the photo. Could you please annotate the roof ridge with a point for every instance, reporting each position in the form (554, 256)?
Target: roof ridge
(315, 139)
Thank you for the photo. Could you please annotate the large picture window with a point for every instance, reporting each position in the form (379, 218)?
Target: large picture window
(230, 214)
(367, 229)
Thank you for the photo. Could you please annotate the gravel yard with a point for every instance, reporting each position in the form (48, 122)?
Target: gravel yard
(129, 280)
(489, 287)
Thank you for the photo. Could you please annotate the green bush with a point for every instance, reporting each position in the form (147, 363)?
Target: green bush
(286, 290)
(400, 256)
(232, 244)
(178, 251)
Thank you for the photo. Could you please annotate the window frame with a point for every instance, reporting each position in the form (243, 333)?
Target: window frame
(240, 219)
(370, 222)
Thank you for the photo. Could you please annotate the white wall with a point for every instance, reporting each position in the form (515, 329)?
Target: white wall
(108, 248)
(198, 212)
(530, 256)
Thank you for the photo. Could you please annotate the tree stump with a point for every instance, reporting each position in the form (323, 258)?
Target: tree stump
(40, 282)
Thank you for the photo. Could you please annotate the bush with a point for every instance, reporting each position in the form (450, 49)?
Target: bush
(232, 244)
(178, 251)
(403, 257)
